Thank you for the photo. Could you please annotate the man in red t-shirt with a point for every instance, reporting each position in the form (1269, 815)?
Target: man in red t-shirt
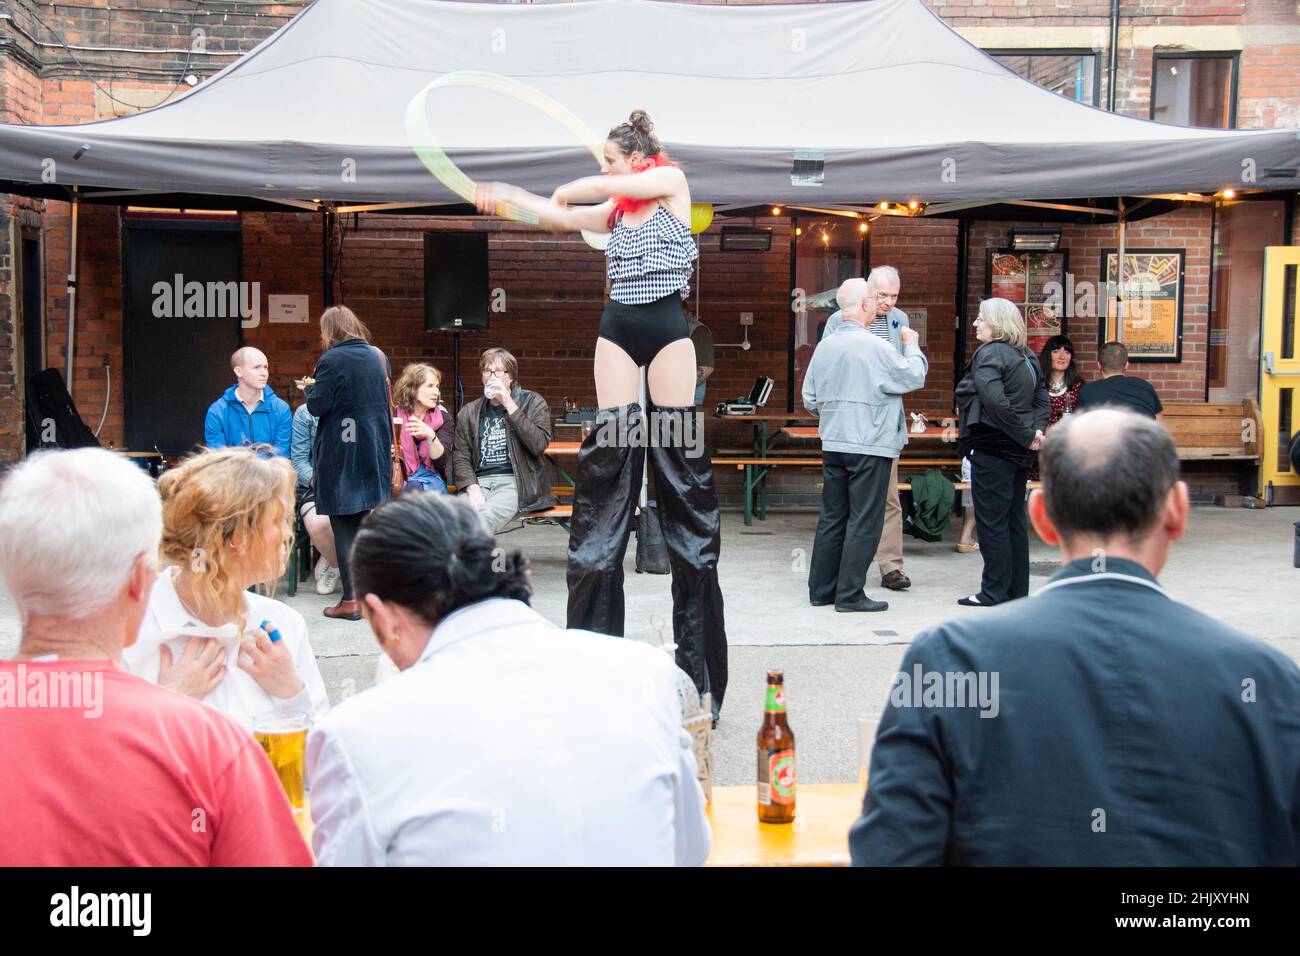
(102, 768)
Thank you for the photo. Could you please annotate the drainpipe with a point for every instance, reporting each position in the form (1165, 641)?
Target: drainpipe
(1112, 57)
(72, 288)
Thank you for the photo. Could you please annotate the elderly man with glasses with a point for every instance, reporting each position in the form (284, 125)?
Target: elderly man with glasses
(887, 323)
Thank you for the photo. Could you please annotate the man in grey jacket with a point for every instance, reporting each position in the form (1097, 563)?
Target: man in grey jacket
(854, 386)
(888, 322)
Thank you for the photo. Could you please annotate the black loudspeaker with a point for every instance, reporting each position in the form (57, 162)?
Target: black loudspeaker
(455, 281)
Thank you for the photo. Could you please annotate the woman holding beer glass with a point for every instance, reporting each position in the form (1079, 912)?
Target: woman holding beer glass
(427, 428)
(227, 525)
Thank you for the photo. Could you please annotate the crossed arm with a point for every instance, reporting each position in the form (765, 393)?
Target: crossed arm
(557, 213)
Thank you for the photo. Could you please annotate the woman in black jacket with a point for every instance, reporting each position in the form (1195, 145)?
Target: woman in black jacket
(1004, 406)
(353, 438)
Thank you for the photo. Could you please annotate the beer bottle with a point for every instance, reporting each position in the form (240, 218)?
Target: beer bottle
(775, 757)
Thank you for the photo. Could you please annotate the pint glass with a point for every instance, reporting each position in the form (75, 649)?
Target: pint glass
(284, 738)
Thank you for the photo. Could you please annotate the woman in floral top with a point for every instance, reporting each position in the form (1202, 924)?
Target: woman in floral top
(1063, 382)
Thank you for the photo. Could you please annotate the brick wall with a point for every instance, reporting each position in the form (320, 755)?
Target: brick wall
(51, 84)
(1187, 229)
(20, 102)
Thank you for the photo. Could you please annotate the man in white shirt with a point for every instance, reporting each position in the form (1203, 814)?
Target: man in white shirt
(505, 740)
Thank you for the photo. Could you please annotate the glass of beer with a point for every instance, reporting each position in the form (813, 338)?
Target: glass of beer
(867, 726)
(284, 738)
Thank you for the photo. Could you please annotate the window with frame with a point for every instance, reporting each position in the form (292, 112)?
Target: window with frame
(1195, 89)
(1069, 73)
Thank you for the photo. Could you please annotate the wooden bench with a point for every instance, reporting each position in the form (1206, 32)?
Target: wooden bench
(557, 513)
(1205, 431)
(756, 470)
(558, 491)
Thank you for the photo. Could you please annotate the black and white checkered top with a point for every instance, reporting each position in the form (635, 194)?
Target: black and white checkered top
(650, 261)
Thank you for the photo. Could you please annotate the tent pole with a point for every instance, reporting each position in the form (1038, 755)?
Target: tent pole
(963, 291)
(327, 256)
(1119, 273)
(72, 289)
(643, 395)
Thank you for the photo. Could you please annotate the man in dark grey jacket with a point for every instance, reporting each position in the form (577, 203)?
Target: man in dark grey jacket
(1099, 722)
(497, 456)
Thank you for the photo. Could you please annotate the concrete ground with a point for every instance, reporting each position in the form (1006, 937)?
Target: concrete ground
(1233, 564)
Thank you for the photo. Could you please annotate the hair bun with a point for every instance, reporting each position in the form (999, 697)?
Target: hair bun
(640, 121)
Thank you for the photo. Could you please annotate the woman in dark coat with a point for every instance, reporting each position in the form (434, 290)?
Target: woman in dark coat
(1003, 407)
(353, 438)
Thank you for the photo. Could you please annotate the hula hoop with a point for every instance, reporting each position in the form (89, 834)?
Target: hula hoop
(437, 162)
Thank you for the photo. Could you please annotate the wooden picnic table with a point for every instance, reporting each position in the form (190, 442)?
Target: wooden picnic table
(819, 835)
(760, 421)
(563, 449)
(931, 433)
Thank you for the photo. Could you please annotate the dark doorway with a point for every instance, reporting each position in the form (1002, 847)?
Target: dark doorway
(33, 314)
(176, 364)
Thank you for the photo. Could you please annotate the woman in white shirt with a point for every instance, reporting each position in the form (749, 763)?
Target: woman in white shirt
(227, 524)
(505, 740)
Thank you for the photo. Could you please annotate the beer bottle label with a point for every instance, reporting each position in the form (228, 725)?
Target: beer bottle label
(776, 777)
(775, 700)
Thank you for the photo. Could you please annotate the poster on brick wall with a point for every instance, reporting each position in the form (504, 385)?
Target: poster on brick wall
(1031, 280)
(1152, 318)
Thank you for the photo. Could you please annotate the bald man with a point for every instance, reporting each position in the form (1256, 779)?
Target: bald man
(249, 412)
(855, 385)
(1123, 727)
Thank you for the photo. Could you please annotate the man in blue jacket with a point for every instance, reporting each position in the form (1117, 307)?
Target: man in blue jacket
(249, 412)
(1099, 722)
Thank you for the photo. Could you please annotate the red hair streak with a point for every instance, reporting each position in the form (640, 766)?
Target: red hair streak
(626, 204)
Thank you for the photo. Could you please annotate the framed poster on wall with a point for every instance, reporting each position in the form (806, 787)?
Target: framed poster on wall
(1024, 278)
(1152, 325)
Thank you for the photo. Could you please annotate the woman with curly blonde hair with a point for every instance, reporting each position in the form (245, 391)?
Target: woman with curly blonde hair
(427, 428)
(227, 525)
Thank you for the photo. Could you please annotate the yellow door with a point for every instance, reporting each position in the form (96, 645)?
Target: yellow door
(1279, 386)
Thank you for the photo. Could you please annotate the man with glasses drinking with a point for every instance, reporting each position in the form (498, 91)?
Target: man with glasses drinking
(888, 323)
(497, 458)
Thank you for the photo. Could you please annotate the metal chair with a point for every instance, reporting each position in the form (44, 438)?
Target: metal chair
(301, 557)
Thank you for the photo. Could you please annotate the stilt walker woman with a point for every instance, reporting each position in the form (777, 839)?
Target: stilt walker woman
(645, 203)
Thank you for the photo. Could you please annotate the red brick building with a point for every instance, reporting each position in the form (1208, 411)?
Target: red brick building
(1196, 62)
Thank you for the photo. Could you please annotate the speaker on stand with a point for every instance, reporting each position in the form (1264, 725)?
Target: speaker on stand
(456, 292)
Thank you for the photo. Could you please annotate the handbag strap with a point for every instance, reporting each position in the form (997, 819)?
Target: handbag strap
(1032, 372)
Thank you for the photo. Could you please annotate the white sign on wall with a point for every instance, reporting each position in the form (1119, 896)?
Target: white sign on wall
(287, 308)
(917, 319)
